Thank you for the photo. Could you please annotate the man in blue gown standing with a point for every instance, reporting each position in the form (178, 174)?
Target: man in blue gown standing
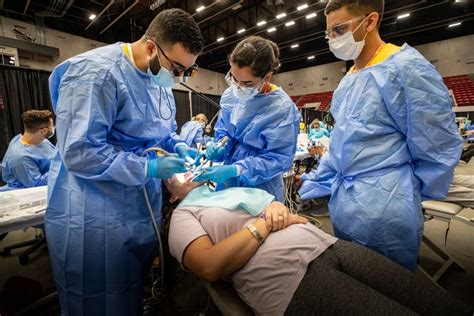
(395, 142)
(111, 104)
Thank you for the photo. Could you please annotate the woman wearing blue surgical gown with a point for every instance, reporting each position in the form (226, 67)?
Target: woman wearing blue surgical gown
(111, 104)
(260, 120)
(394, 143)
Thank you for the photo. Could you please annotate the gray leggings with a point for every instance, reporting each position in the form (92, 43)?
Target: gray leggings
(352, 280)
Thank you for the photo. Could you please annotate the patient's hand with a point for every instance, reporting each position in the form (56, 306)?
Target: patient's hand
(278, 217)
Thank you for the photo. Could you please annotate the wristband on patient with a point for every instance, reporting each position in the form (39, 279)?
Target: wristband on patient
(255, 233)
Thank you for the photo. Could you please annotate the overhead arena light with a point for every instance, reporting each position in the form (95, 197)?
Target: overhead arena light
(295, 45)
(281, 15)
(311, 57)
(263, 22)
(290, 23)
(271, 30)
(92, 17)
(200, 8)
(311, 15)
(241, 31)
(454, 24)
(220, 39)
(403, 16)
(302, 7)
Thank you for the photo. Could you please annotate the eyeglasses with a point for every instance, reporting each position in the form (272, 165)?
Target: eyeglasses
(177, 69)
(229, 78)
(341, 28)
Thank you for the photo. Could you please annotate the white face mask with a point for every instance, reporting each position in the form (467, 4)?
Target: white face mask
(345, 47)
(243, 93)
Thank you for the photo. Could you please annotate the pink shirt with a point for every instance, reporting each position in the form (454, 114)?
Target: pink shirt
(268, 281)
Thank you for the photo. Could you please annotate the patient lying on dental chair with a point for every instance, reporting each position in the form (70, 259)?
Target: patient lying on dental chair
(280, 264)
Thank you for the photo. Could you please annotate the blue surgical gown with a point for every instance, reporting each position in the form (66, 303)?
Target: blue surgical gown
(395, 143)
(100, 236)
(26, 166)
(191, 133)
(262, 138)
(317, 133)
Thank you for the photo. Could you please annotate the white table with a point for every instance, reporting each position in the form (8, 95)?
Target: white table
(32, 212)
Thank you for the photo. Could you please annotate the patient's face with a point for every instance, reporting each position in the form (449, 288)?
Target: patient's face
(180, 190)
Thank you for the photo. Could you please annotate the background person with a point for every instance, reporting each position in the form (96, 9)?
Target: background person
(27, 159)
(192, 131)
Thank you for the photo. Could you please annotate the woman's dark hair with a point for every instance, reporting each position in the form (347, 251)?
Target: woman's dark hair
(258, 53)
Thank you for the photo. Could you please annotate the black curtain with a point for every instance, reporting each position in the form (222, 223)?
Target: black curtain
(182, 108)
(21, 90)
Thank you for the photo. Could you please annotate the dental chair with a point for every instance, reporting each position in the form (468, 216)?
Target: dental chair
(226, 299)
(446, 212)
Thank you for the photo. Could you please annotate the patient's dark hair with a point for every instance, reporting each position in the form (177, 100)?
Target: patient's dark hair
(33, 120)
(358, 7)
(258, 53)
(176, 26)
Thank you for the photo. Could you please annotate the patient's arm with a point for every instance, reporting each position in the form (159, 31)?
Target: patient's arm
(212, 262)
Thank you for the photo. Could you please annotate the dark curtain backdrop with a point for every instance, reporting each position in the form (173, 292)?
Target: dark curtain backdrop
(199, 105)
(182, 108)
(21, 89)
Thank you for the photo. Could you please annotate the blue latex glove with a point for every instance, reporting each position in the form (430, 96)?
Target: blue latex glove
(165, 167)
(218, 174)
(190, 155)
(214, 153)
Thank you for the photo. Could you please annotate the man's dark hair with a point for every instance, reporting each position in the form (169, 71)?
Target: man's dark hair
(176, 26)
(258, 53)
(358, 7)
(33, 120)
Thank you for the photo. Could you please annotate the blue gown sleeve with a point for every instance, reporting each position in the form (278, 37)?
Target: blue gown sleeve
(318, 182)
(277, 157)
(423, 111)
(169, 143)
(29, 174)
(219, 129)
(219, 132)
(198, 137)
(85, 112)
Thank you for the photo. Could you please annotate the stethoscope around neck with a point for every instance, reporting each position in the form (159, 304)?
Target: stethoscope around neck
(169, 105)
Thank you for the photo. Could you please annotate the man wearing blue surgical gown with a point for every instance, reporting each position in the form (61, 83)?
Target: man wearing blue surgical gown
(395, 142)
(111, 104)
(26, 162)
(192, 131)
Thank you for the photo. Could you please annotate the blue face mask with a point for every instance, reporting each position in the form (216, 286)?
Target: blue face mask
(164, 78)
